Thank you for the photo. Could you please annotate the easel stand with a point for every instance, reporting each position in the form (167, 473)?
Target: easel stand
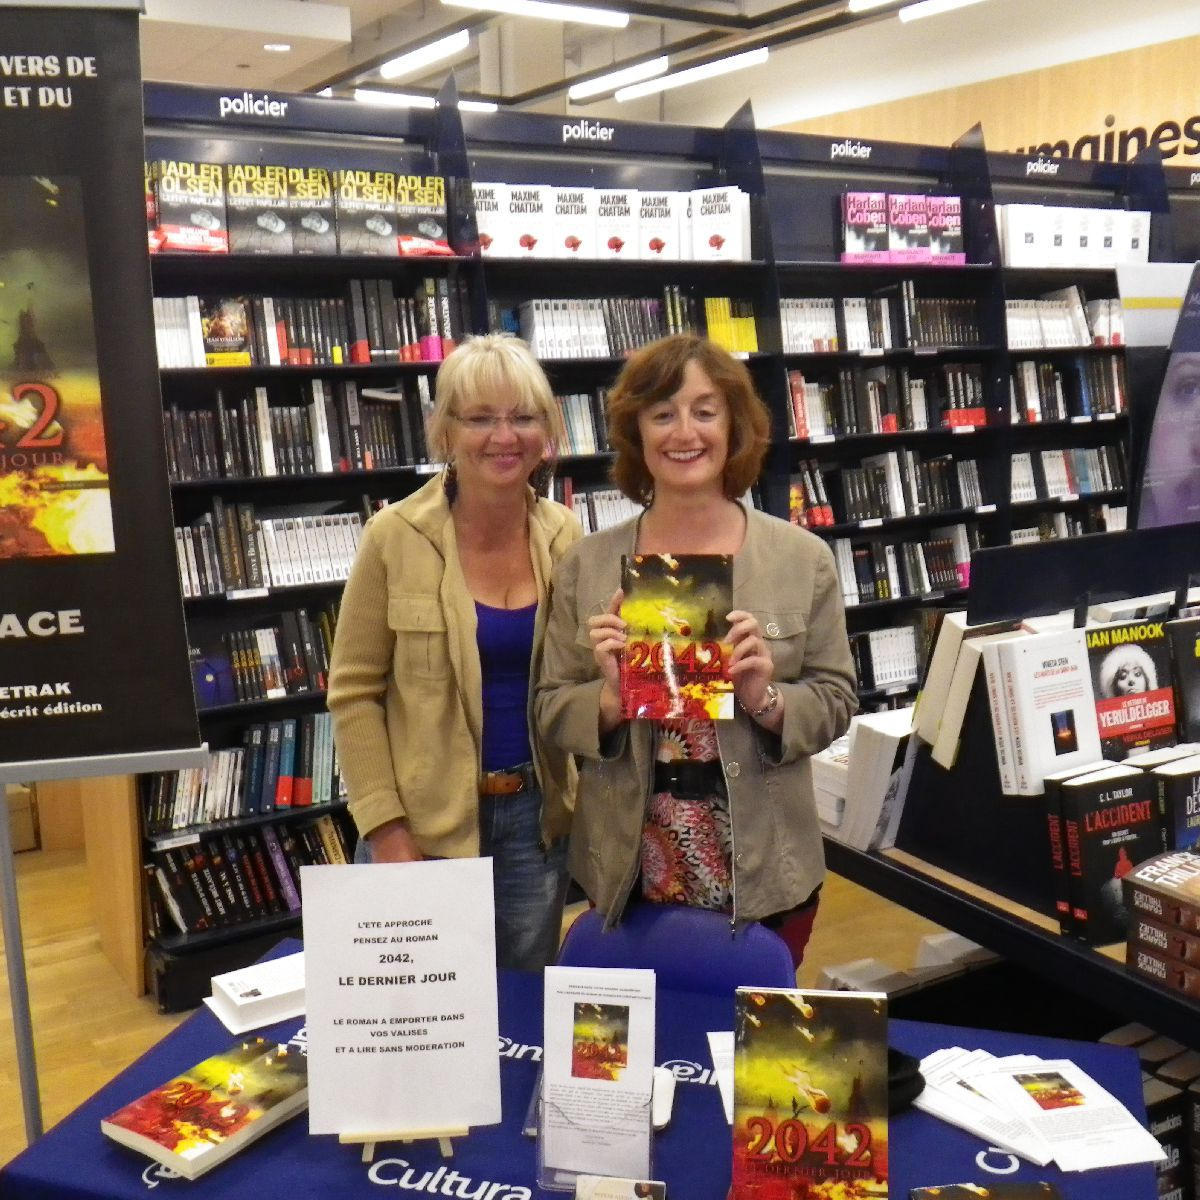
(369, 1141)
(18, 982)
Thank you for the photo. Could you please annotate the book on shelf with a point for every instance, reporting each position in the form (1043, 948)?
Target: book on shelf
(202, 1117)
(1111, 824)
(366, 212)
(943, 215)
(886, 658)
(878, 742)
(865, 227)
(663, 225)
(422, 220)
(573, 223)
(490, 201)
(1178, 786)
(1056, 832)
(225, 330)
(720, 225)
(312, 210)
(908, 229)
(810, 1111)
(1166, 889)
(676, 660)
(1183, 636)
(260, 994)
(258, 211)
(617, 212)
(596, 507)
(1131, 677)
(189, 204)
(1041, 235)
(527, 222)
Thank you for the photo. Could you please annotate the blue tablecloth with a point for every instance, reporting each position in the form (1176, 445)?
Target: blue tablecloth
(692, 1154)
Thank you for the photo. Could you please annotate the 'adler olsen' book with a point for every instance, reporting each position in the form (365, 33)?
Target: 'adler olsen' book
(207, 1114)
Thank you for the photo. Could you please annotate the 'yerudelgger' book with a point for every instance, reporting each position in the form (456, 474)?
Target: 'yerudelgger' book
(676, 660)
(206, 1115)
(810, 1116)
(1131, 678)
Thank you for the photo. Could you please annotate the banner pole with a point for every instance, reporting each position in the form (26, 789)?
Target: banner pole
(18, 984)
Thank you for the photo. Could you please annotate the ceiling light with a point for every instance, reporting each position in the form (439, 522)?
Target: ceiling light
(424, 56)
(478, 106)
(327, 92)
(721, 66)
(931, 8)
(392, 99)
(616, 79)
(277, 47)
(546, 9)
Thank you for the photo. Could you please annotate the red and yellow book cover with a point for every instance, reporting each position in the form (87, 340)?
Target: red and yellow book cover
(676, 660)
(810, 1095)
(202, 1117)
(54, 486)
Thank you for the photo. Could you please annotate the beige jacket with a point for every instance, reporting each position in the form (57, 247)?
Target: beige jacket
(405, 684)
(786, 577)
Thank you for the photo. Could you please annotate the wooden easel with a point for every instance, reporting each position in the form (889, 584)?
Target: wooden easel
(369, 1141)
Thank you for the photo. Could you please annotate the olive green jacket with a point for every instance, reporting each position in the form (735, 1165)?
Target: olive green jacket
(785, 576)
(405, 684)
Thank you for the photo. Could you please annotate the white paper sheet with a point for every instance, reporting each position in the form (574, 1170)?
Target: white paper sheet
(720, 1046)
(400, 983)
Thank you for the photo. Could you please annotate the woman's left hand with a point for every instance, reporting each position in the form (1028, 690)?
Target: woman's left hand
(751, 667)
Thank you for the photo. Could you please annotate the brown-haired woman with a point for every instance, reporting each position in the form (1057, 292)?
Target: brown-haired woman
(735, 828)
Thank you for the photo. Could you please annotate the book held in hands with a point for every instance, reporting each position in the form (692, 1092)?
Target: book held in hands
(676, 658)
(208, 1113)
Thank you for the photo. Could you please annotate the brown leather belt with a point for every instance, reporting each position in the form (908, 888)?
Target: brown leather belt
(503, 783)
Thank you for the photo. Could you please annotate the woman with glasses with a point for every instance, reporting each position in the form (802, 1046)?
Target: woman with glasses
(712, 814)
(439, 639)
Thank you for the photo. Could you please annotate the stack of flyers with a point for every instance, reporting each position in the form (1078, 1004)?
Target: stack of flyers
(1039, 1109)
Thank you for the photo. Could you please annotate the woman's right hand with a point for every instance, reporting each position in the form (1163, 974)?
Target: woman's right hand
(392, 842)
(607, 634)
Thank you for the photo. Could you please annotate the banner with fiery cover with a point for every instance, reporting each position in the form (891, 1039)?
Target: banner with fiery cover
(810, 1116)
(676, 660)
(54, 496)
(91, 619)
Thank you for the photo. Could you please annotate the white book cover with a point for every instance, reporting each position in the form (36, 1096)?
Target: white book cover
(617, 222)
(260, 994)
(1051, 705)
(573, 223)
(1059, 234)
(528, 225)
(1087, 223)
(718, 224)
(1024, 235)
(660, 218)
(1137, 248)
(491, 217)
(1110, 224)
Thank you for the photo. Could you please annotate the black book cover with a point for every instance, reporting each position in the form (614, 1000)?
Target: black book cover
(212, 670)
(421, 222)
(238, 849)
(225, 877)
(1112, 824)
(257, 853)
(270, 774)
(312, 214)
(243, 879)
(1183, 636)
(295, 672)
(205, 881)
(178, 892)
(366, 212)
(256, 205)
(190, 204)
(1131, 678)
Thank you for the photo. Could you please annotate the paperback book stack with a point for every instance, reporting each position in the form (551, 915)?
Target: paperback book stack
(880, 227)
(1163, 898)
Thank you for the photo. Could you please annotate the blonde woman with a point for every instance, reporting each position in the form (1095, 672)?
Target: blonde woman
(439, 640)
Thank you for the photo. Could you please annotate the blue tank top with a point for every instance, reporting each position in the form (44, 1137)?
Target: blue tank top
(505, 639)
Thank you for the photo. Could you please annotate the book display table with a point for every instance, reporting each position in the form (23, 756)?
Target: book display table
(74, 1161)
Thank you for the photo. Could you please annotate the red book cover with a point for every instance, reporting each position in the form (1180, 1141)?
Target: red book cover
(810, 1115)
(1131, 677)
(676, 660)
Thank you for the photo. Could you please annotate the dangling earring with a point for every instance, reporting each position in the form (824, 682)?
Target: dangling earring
(541, 478)
(450, 480)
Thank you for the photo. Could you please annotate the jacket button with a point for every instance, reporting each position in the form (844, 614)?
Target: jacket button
(737, 860)
(733, 770)
(772, 629)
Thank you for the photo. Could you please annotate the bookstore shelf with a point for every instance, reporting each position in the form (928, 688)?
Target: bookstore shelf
(889, 271)
(942, 432)
(222, 482)
(1017, 933)
(904, 601)
(939, 517)
(186, 835)
(249, 707)
(301, 372)
(207, 939)
(902, 353)
(1073, 498)
(1063, 351)
(254, 595)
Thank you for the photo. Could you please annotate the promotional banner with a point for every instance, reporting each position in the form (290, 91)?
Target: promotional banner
(92, 639)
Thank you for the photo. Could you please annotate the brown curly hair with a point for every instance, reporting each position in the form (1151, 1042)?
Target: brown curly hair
(655, 373)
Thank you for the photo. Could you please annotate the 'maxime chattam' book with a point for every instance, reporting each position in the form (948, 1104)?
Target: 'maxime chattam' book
(810, 1113)
(676, 660)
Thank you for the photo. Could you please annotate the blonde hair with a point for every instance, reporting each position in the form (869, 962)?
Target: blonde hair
(484, 368)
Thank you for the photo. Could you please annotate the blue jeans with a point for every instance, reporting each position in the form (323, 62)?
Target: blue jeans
(529, 884)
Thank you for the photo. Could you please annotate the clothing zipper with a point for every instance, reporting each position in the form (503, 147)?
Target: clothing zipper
(732, 848)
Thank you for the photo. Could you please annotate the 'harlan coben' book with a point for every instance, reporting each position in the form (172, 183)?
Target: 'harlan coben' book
(676, 660)
(1131, 678)
(865, 227)
(810, 1114)
(206, 1115)
(256, 207)
(54, 487)
(908, 228)
(190, 204)
(944, 216)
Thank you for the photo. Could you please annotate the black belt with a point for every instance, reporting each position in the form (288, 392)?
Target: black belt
(690, 780)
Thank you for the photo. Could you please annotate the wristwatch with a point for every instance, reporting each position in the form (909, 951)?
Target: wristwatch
(769, 705)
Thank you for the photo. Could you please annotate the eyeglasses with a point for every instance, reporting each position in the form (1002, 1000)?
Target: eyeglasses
(489, 423)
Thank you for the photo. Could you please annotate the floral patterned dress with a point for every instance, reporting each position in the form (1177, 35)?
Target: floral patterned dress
(687, 842)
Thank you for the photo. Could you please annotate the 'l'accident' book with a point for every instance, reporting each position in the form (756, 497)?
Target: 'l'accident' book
(810, 1113)
(676, 660)
(206, 1115)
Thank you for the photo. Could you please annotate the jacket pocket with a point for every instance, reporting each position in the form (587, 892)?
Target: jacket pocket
(422, 645)
(786, 635)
